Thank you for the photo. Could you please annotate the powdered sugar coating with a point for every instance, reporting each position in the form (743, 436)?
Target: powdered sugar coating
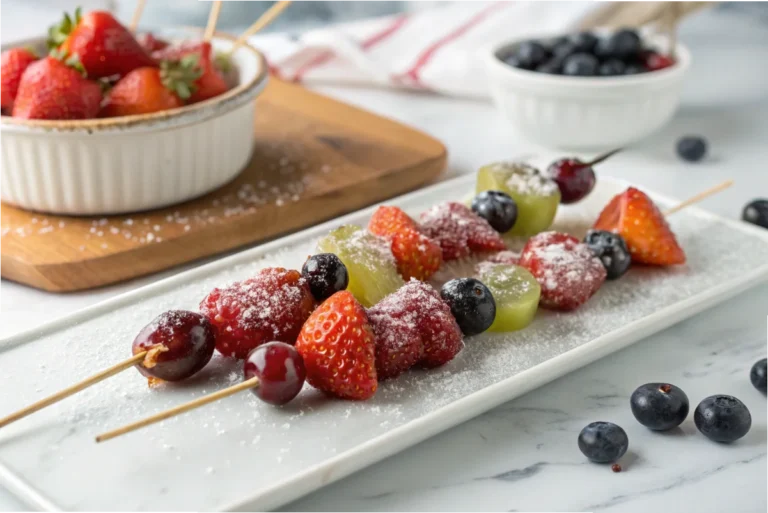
(567, 270)
(459, 231)
(525, 179)
(271, 306)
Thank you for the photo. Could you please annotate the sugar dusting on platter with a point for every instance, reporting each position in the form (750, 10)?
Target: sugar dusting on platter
(240, 447)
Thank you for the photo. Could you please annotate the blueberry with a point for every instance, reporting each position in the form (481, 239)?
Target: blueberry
(623, 44)
(326, 275)
(692, 148)
(659, 406)
(603, 442)
(756, 212)
(584, 41)
(722, 418)
(514, 61)
(471, 303)
(634, 69)
(496, 207)
(757, 375)
(564, 49)
(552, 67)
(531, 54)
(580, 64)
(611, 67)
(612, 251)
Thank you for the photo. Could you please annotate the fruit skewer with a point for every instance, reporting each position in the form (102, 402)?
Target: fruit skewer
(173, 347)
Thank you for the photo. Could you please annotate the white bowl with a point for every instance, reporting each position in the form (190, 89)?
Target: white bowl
(133, 163)
(585, 113)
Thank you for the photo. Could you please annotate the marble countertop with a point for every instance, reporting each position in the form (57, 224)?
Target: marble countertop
(523, 456)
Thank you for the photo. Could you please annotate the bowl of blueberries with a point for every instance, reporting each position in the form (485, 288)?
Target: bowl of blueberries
(589, 90)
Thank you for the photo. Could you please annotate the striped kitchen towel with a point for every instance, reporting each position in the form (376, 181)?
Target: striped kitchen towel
(435, 49)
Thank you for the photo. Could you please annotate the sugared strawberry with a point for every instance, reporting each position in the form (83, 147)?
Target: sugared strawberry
(103, 45)
(459, 231)
(150, 43)
(147, 90)
(386, 221)
(417, 255)
(506, 257)
(415, 305)
(14, 62)
(634, 216)
(566, 269)
(337, 345)
(210, 82)
(270, 307)
(51, 89)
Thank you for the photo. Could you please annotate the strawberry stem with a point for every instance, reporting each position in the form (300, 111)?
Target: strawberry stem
(179, 76)
(58, 33)
(602, 157)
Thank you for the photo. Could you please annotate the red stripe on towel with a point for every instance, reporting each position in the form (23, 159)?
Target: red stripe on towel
(367, 44)
(426, 55)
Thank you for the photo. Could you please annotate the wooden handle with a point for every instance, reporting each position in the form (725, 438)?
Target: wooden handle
(265, 19)
(130, 362)
(245, 385)
(700, 196)
(213, 18)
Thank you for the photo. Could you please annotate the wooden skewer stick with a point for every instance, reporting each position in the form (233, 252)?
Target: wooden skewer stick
(137, 15)
(191, 405)
(700, 196)
(130, 362)
(265, 19)
(213, 18)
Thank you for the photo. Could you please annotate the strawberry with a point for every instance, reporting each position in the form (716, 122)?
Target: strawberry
(14, 62)
(387, 221)
(416, 255)
(146, 90)
(270, 307)
(150, 43)
(50, 89)
(337, 345)
(459, 231)
(634, 216)
(416, 308)
(210, 83)
(103, 45)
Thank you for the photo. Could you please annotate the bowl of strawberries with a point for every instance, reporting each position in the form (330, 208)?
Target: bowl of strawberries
(97, 120)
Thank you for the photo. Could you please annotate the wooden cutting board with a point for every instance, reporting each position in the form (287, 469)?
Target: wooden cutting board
(315, 159)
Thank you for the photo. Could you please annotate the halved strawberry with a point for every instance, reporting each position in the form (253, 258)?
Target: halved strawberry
(634, 216)
(417, 255)
(337, 345)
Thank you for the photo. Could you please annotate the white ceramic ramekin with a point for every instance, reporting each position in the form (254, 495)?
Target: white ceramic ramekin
(585, 113)
(133, 163)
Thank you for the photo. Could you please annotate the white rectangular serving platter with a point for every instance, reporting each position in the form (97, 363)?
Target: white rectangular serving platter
(240, 453)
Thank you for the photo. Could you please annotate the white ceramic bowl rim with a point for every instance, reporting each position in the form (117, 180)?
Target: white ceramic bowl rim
(158, 120)
(493, 56)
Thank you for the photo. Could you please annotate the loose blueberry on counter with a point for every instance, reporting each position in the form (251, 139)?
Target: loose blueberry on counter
(692, 148)
(756, 212)
(326, 275)
(722, 418)
(531, 54)
(471, 303)
(280, 370)
(580, 65)
(584, 41)
(603, 442)
(623, 44)
(758, 375)
(611, 67)
(659, 406)
(496, 207)
(612, 251)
